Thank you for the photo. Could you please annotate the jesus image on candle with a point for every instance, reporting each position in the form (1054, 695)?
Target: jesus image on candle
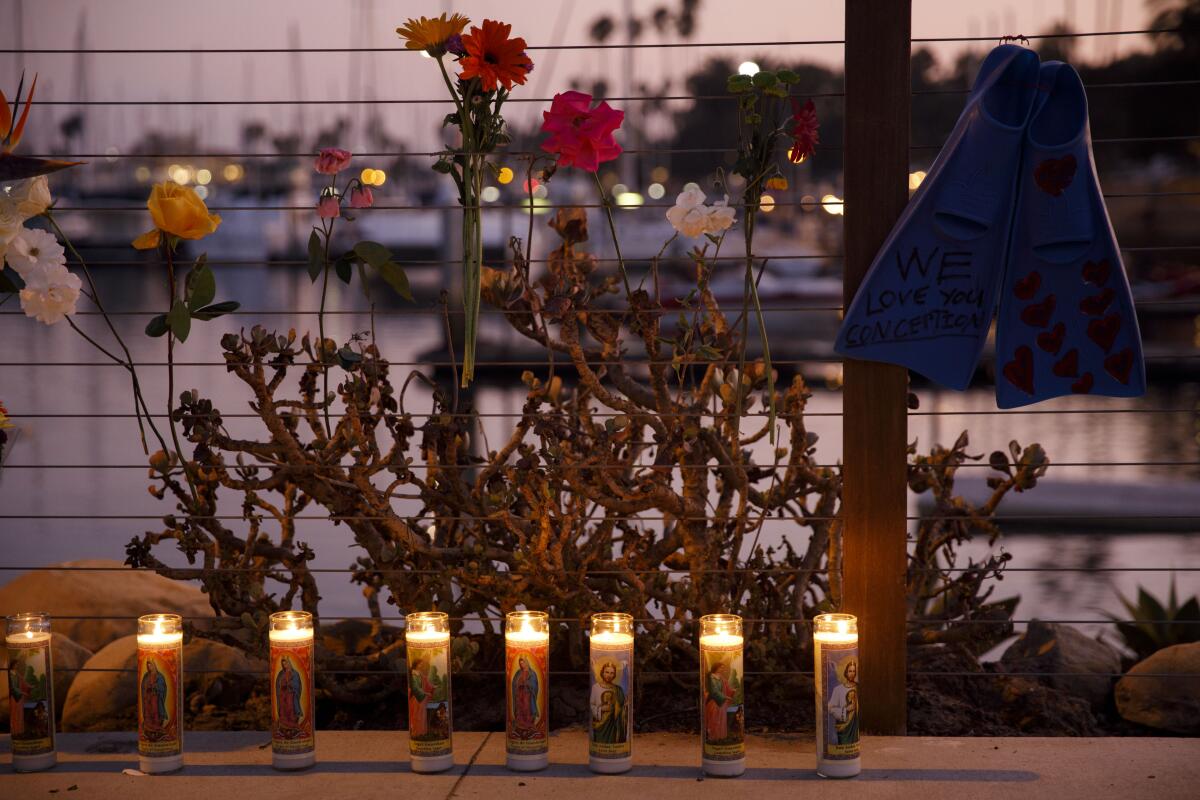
(287, 693)
(525, 697)
(843, 702)
(154, 698)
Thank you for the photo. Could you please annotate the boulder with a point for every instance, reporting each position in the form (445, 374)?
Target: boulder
(107, 700)
(1074, 662)
(1163, 690)
(122, 592)
(68, 658)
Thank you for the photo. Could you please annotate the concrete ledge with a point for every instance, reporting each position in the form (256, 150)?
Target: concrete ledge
(361, 765)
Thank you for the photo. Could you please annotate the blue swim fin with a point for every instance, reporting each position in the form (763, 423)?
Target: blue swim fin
(1067, 323)
(929, 296)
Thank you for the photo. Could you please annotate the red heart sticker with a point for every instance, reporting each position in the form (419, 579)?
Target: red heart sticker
(1068, 365)
(1054, 175)
(1084, 384)
(1096, 272)
(1095, 305)
(1104, 331)
(1019, 371)
(1027, 287)
(1038, 314)
(1051, 341)
(1119, 364)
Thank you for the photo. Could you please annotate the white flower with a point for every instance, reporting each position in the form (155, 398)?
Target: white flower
(720, 217)
(33, 251)
(689, 215)
(32, 196)
(692, 218)
(52, 295)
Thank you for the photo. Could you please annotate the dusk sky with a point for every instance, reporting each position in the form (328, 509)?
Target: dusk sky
(384, 75)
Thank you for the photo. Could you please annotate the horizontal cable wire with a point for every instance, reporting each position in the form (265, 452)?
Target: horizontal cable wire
(590, 467)
(750, 673)
(587, 46)
(637, 518)
(657, 621)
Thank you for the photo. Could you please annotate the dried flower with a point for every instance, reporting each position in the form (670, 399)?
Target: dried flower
(331, 160)
(778, 183)
(581, 136)
(805, 131)
(493, 57)
(31, 252)
(177, 211)
(329, 207)
(362, 197)
(51, 295)
(432, 35)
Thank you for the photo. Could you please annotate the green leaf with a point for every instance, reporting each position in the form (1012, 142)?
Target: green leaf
(201, 286)
(787, 76)
(344, 268)
(157, 327)
(215, 310)
(179, 320)
(764, 79)
(394, 275)
(373, 253)
(316, 257)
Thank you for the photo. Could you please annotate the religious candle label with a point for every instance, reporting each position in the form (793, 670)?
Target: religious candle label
(723, 700)
(160, 700)
(837, 686)
(429, 697)
(292, 697)
(528, 698)
(30, 696)
(611, 700)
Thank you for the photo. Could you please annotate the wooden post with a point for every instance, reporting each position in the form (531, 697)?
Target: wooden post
(874, 424)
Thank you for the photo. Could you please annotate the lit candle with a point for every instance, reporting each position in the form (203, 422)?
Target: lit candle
(722, 696)
(160, 692)
(610, 734)
(30, 691)
(835, 666)
(527, 690)
(293, 740)
(427, 640)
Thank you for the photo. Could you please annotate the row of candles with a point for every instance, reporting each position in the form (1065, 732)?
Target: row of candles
(427, 636)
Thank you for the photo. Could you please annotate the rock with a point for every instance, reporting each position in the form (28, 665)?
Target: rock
(101, 701)
(120, 593)
(68, 658)
(1171, 702)
(1078, 664)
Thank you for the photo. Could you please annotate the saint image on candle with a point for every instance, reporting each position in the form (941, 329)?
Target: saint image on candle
(610, 709)
(724, 719)
(526, 713)
(843, 702)
(29, 696)
(154, 701)
(288, 690)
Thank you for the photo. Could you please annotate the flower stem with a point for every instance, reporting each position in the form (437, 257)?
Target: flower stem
(321, 331)
(612, 229)
(171, 290)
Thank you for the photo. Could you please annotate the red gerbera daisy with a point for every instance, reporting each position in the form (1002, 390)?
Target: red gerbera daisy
(493, 57)
(804, 131)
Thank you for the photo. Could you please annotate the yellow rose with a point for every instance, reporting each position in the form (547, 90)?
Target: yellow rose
(179, 211)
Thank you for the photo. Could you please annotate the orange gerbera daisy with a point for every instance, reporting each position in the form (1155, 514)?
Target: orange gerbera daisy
(493, 57)
(431, 35)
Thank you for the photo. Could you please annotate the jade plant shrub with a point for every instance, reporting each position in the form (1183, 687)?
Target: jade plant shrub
(627, 482)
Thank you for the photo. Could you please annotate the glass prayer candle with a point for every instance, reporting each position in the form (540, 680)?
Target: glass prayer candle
(293, 738)
(527, 690)
(30, 691)
(427, 643)
(610, 734)
(160, 692)
(722, 696)
(835, 667)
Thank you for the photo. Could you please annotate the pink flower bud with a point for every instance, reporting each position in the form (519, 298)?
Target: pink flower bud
(331, 160)
(329, 207)
(362, 197)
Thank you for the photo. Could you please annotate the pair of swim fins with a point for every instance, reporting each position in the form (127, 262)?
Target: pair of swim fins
(1011, 212)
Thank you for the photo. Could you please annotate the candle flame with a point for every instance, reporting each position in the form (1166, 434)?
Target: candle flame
(526, 626)
(158, 627)
(28, 634)
(843, 626)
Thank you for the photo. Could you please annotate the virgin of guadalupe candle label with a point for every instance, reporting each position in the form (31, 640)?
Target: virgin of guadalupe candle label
(724, 698)
(429, 698)
(160, 700)
(292, 697)
(528, 701)
(611, 700)
(30, 697)
(837, 686)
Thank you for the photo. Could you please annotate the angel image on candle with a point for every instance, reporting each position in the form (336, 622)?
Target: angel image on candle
(843, 702)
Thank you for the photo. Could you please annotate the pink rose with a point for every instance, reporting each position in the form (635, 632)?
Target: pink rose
(332, 160)
(362, 197)
(329, 207)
